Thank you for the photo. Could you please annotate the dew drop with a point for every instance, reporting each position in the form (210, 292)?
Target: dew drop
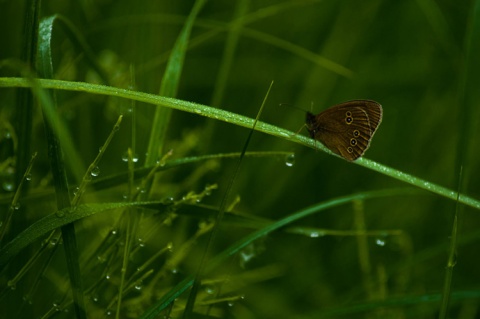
(290, 160)
(135, 157)
(245, 256)
(7, 186)
(56, 306)
(168, 201)
(28, 177)
(209, 289)
(52, 243)
(60, 213)
(317, 233)
(95, 171)
(380, 242)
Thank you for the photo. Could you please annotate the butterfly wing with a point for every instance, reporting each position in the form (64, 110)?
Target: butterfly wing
(346, 129)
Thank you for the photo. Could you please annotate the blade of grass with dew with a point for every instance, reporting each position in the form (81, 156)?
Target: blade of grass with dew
(58, 127)
(76, 38)
(58, 138)
(175, 292)
(169, 87)
(5, 223)
(119, 178)
(45, 68)
(54, 236)
(131, 223)
(87, 177)
(188, 312)
(239, 120)
(115, 180)
(24, 99)
(57, 164)
(58, 219)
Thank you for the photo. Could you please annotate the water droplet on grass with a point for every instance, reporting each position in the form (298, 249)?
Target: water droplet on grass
(290, 160)
(380, 242)
(95, 171)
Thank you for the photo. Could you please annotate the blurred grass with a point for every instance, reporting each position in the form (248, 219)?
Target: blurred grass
(417, 58)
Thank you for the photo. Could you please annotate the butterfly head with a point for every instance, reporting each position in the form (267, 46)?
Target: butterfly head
(310, 121)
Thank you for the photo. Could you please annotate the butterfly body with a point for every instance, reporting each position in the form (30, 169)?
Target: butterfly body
(347, 128)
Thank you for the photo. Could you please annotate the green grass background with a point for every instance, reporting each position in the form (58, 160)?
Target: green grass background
(381, 253)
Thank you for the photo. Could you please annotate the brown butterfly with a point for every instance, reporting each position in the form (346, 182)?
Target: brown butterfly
(347, 128)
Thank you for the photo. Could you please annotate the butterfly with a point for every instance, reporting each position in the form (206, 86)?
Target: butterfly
(346, 129)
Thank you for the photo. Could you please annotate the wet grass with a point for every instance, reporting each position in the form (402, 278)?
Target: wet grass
(136, 119)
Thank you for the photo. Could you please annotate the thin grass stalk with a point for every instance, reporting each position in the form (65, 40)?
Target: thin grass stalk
(188, 312)
(169, 87)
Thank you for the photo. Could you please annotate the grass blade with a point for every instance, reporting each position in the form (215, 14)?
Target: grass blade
(169, 87)
(243, 121)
